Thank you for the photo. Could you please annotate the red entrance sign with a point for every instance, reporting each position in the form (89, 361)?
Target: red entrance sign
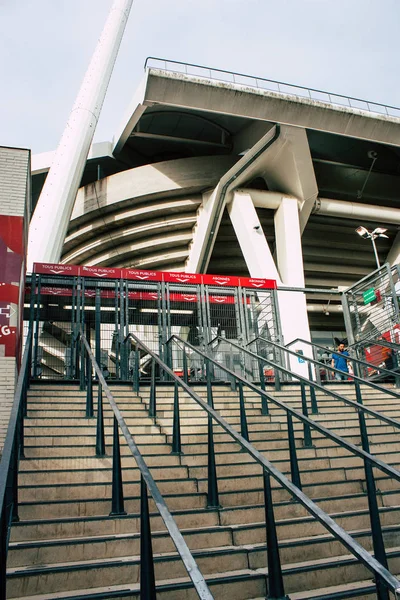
(220, 281)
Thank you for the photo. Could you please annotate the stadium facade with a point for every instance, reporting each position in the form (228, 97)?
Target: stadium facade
(224, 173)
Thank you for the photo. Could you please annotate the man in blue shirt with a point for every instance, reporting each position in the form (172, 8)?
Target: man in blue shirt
(339, 361)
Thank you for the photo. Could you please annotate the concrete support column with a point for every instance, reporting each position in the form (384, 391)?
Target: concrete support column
(14, 219)
(289, 254)
(289, 268)
(251, 238)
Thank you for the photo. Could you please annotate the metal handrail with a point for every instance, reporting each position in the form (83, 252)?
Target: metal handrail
(357, 361)
(12, 451)
(357, 405)
(233, 74)
(376, 462)
(189, 562)
(340, 534)
(371, 341)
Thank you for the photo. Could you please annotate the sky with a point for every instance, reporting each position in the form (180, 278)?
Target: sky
(348, 47)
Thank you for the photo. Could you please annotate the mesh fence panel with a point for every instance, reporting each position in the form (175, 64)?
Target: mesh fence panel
(371, 305)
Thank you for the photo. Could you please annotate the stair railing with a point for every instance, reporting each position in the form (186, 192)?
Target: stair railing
(356, 363)
(384, 579)
(12, 452)
(314, 386)
(147, 483)
(377, 536)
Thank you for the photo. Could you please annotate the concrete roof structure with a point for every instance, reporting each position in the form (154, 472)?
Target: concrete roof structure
(160, 195)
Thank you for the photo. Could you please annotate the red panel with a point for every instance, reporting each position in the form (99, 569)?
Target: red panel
(12, 233)
(142, 275)
(100, 272)
(220, 280)
(266, 284)
(183, 277)
(222, 299)
(55, 269)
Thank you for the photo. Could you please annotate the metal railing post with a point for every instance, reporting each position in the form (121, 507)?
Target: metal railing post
(304, 409)
(210, 399)
(117, 500)
(14, 480)
(276, 591)
(153, 397)
(147, 578)
(100, 442)
(3, 552)
(244, 432)
(176, 429)
(20, 431)
(376, 528)
(89, 388)
(313, 397)
(294, 463)
(185, 366)
(136, 371)
(82, 367)
(261, 374)
(317, 367)
(212, 491)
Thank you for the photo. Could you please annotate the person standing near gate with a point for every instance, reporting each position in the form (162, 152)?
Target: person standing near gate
(339, 361)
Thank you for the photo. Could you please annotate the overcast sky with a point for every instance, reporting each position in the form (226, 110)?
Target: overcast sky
(345, 46)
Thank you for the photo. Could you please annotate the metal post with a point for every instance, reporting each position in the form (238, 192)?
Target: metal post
(176, 430)
(89, 388)
(153, 398)
(36, 336)
(210, 399)
(185, 366)
(276, 591)
(136, 372)
(314, 405)
(100, 442)
(261, 374)
(98, 326)
(3, 553)
(244, 432)
(212, 492)
(317, 367)
(117, 500)
(14, 481)
(378, 266)
(20, 430)
(277, 376)
(147, 579)
(82, 367)
(294, 464)
(376, 529)
(304, 408)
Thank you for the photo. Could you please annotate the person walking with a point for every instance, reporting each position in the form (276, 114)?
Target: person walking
(339, 361)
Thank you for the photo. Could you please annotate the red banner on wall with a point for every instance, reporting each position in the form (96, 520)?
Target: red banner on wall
(220, 281)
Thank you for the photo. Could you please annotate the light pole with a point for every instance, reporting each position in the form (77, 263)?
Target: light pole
(372, 235)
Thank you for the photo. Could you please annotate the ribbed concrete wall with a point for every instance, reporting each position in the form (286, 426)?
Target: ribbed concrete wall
(143, 217)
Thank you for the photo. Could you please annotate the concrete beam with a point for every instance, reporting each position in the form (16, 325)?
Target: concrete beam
(210, 213)
(186, 91)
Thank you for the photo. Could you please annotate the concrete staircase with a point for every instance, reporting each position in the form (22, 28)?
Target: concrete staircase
(66, 546)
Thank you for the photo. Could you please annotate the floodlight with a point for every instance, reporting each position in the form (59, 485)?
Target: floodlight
(362, 231)
(372, 235)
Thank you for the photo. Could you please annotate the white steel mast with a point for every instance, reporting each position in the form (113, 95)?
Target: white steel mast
(50, 220)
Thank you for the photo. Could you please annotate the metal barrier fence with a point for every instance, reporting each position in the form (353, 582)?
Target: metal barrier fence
(108, 309)
(270, 85)
(371, 306)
